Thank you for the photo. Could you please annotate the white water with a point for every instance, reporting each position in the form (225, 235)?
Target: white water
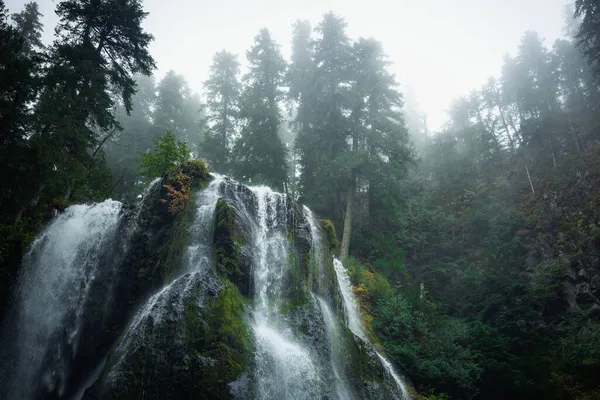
(336, 348)
(55, 283)
(355, 322)
(199, 253)
(350, 304)
(284, 368)
(169, 301)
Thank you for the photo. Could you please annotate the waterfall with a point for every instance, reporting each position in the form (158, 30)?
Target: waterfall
(355, 324)
(64, 263)
(170, 302)
(336, 348)
(284, 368)
(250, 309)
(350, 303)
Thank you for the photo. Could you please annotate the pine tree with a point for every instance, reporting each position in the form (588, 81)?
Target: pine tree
(30, 27)
(19, 86)
(326, 128)
(99, 46)
(379, 155)
(259, 154)
(136, 137)
(223, 91)
(299, 79)
(179, 111)
(588, 37)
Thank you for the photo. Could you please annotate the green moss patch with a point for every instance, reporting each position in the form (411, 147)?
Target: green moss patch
(330, 233)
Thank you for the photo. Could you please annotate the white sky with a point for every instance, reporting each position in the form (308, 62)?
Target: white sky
(444, 48)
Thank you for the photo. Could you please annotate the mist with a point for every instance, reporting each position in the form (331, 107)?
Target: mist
(297, 201)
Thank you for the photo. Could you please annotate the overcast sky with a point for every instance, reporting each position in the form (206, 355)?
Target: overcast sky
(444, 48)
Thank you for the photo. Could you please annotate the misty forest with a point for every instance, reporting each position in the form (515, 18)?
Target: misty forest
(294, 230)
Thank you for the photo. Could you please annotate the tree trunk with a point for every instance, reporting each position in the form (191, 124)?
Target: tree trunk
(529, 177)
(552, 152)
(575, 136)
(348, 219)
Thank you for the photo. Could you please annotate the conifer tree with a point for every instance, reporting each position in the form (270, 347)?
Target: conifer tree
(223, 91)
(259, 154)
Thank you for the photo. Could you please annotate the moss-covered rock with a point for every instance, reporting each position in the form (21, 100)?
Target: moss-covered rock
(194, 343)
(229, 246)
(330, 234)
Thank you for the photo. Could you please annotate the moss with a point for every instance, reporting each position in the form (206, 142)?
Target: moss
(330, 233)
(222, 333)
(197, 171)
(170, 254)
(228, 244)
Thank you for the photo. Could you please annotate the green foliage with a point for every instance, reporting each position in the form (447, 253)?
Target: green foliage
(259, 153)
(330, 233)
(588, 37)
(223, 91)
(167, 153)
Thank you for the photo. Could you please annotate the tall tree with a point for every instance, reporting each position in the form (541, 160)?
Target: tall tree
(588, 37)
(327, 105)
(30, 27)
(99, 46)
(379, 155)
(299, 79)
(223, 91)
(19, 85)
(259, 154)
(137, 136)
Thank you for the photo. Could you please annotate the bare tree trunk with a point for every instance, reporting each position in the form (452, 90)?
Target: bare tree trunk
(529, 177)
(348, 219)
(575, 136)
(552, 151)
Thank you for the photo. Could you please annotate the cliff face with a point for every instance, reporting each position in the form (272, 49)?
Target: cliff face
(563, 223)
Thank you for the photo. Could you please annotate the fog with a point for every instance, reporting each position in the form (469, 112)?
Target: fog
(443, 49)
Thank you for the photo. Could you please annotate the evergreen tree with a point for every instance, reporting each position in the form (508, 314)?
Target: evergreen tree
(588, 37)
(19, 86)
(178, 110)
(223, 96)
(100, 45)
(379, 155)
(325, 131)
(137, 136)
(259, 154)
(299, 78)
(28, 24)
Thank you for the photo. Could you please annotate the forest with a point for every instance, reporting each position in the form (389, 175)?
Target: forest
(474, 251)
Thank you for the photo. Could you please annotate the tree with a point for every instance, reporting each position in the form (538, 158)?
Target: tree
(29, 26)
(167, 152)
(299, 79)
(179, 110)
(19, 87)
(138, 135)
(100, 45)
(325, 122)
(588, 37)
(379, 155)
(259, 154)
(223, 96)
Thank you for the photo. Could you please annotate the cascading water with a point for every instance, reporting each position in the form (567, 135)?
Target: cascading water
(251, 312)
(58, 273)
(284, 368)
(355, 324)
(336, 347)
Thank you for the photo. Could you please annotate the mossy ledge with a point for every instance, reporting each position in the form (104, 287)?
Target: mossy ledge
(162, 233)
(330, 233)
